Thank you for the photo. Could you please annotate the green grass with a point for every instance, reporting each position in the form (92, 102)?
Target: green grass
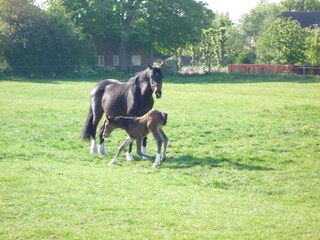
(243, 163)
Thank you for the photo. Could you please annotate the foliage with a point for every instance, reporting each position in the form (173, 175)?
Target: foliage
(313, 47)
(282, 42)
(243, 163)
(214, 39)
(162, 24)
(246, 57)
(300, 5)
(252, 24)
(41, 42)
(174, 25)
(235, 44)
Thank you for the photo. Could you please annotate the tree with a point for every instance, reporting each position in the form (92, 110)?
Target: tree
(300, 5)
(39, 41)
(253, 22)
(207, 48)
(163, 25)
(313, 47)
(235, 44)
(175, 24)
(213, 46)
(282, 42)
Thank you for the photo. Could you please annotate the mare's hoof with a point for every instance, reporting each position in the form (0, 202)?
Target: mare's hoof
(102, 151)
(129, 157)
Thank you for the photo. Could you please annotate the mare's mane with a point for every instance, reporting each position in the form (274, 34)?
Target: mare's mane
(142, 75)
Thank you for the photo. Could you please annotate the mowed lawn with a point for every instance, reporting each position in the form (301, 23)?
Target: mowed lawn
(243, 163)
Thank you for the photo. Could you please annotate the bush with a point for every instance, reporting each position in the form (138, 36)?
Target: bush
(40, 42)
(246, 57)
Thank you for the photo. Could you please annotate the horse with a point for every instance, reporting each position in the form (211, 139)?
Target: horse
(137, 129)
(134, 98)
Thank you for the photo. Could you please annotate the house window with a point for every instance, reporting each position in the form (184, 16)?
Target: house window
(136, 60)
(100, 60)
(116, 61)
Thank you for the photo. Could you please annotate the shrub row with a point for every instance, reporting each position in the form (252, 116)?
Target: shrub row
(273, 69)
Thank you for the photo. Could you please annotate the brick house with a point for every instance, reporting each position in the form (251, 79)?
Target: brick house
(109, 56)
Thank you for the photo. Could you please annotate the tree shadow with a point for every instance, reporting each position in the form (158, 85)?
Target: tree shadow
(188, 161)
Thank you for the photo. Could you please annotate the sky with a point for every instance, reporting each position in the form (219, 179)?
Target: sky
(235, 8)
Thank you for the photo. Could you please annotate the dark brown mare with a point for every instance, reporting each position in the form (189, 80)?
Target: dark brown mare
(137, 129)
(113, 98)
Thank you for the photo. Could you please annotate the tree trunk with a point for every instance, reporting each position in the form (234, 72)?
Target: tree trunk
(123, 54)
(151, 56)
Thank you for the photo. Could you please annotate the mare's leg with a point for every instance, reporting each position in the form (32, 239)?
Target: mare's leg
(144, 146)
(129, 156)
(121, 148)
(140, 153)
(96, 119)
(97, 114)
(101, 148)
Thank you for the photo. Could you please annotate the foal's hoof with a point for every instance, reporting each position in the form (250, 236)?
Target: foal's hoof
(155, 165)
(114, 160)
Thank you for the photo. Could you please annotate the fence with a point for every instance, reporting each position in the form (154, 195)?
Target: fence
(273, 69)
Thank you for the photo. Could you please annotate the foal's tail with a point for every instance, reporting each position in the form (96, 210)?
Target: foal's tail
(87, 127)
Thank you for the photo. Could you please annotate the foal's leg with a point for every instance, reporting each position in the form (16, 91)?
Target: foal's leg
(158, 137)
(165, 144)
(121, 148)
(140, 153)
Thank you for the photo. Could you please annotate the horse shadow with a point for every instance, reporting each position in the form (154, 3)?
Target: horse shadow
(189, 161)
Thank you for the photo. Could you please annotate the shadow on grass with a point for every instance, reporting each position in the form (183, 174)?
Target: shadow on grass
(191, 161)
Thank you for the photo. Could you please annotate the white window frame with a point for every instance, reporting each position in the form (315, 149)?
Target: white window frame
(100, 60)
(115, 60)
(136, 60)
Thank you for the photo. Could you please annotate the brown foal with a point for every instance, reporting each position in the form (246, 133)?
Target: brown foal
(137, 129)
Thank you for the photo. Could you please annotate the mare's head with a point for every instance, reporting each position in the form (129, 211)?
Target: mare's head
(155, 76)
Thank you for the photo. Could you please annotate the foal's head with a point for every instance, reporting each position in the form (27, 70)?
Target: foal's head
(157, 118)
(155, 76)
(109, 126)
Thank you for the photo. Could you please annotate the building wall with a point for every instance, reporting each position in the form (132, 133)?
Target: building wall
(109, 57)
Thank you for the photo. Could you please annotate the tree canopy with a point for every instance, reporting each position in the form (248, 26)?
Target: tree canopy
(300, 5)
(39, 41)
(282, 42)
(161, 24)
(70, 32)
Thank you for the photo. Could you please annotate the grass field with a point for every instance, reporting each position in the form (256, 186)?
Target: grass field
(243, 163)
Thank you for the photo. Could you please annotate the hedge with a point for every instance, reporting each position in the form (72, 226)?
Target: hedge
(273, 69)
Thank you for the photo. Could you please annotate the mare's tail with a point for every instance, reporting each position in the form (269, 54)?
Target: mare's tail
(87, 127)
